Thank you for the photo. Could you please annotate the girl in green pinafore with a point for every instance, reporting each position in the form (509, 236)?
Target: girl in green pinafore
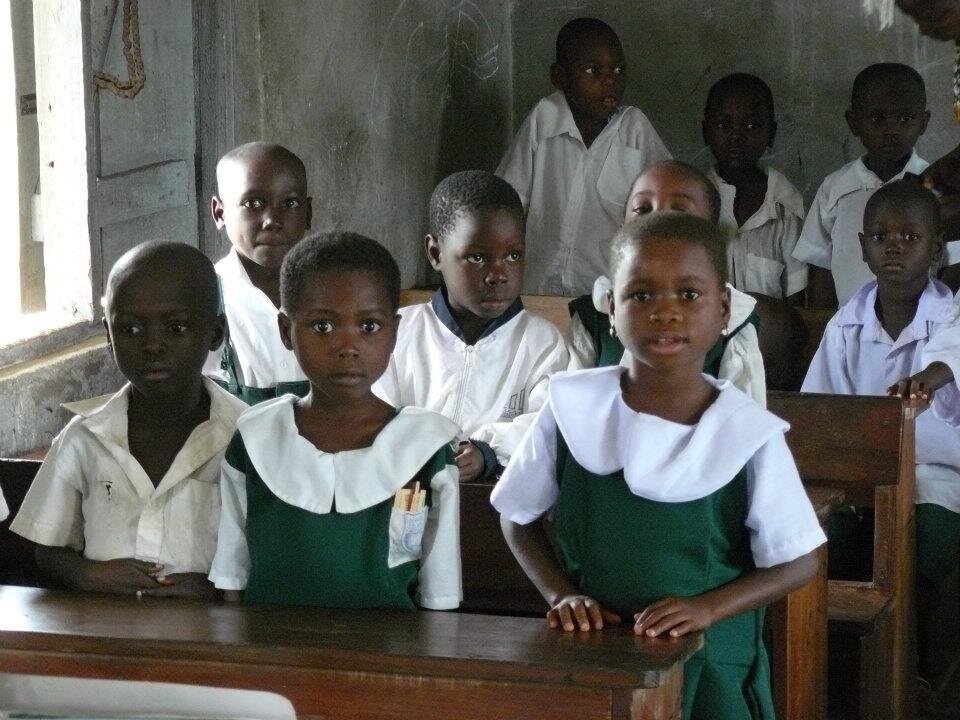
(676, 502)
(339, 499)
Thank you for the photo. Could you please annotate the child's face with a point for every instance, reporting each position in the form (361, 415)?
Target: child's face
(667, 188)
(888, 118)
(593, 81)
(668, 304)
(264, 207)
(900, 244)
(737, 129)
(481, 261)
(160, 332)
(342, 332)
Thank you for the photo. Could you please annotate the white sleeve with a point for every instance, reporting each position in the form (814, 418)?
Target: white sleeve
(52, 510)
(4, 510)
(828, 369)
(815, 245)
(440, 586)
(944, 346)
(387, 388)
(230, 569)
(504, 437)
(580, 344)
(528, 488)
(516, 167)
(742, 364)
(782, 523)
(795, 272)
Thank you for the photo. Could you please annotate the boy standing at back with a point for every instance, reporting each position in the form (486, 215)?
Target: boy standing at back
(888, 113)
(128, 497)
(473, 353)
(263, 205)
(574, 158)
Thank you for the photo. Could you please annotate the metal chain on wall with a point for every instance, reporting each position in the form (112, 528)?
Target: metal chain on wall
(131, 53)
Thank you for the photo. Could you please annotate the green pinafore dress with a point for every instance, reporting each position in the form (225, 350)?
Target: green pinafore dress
(627, 552)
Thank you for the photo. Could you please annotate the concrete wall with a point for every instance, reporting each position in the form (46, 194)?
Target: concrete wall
(808, 51)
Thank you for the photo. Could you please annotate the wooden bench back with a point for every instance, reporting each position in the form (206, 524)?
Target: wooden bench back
(17, 563)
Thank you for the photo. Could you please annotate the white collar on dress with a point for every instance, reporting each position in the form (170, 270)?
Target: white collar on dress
(661, 460)
(741, 304)
(301, 475)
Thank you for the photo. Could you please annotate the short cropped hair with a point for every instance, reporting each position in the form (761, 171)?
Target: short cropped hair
(573, 34)
(672, 226)
(166, 256)
(337, 252)
(697, 175)
(741, 82)
(261, 149)
(901, 194)
(885, 73)
(469, 192)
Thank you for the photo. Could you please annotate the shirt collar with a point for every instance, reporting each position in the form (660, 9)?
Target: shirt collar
(936, 305)
(441, 306)
(780, 194)
(301, 475)
(559, 120)
(229, 266)
(107, 421)
(857, 176)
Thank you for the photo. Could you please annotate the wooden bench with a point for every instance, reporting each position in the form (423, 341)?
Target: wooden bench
(348, 664)
(865, 447)
(17, 563)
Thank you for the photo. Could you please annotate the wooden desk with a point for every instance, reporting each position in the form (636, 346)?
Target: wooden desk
(349, 664)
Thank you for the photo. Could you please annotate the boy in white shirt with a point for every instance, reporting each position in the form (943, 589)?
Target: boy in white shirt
(473, 353)
(574, 158)
(900, 335)
(888, 113)
(760, 208)
(128, 498)
(263, 205)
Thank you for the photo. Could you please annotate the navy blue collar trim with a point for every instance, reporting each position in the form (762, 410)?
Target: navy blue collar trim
(441, 306)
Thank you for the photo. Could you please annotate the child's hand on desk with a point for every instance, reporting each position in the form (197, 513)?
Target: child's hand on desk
(580, 612)
(679, 616)
(123, 575)
(917, 390)
(193, 585)
(469, 461)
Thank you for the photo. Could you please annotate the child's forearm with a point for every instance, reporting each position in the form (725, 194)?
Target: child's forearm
(821, 292)
(937, 374)
(760, 587)
(531, 548)
(62, 566)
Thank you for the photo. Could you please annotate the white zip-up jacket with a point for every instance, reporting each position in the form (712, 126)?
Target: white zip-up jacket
(491, 389)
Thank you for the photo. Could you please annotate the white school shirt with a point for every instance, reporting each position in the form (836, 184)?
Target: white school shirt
(575, 196)
(858, 357)
(4, 510)
(665, 461)
(741, 362)
(491, 389)
(262, 359)
(301, 475)
(830, 235)
(760, 252)
(93, 496)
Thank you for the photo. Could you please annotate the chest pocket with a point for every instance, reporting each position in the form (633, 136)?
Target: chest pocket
(406, 535)
(620, 168)
(762, 275)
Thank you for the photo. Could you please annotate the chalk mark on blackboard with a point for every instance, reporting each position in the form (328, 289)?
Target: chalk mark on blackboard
(466, 42)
